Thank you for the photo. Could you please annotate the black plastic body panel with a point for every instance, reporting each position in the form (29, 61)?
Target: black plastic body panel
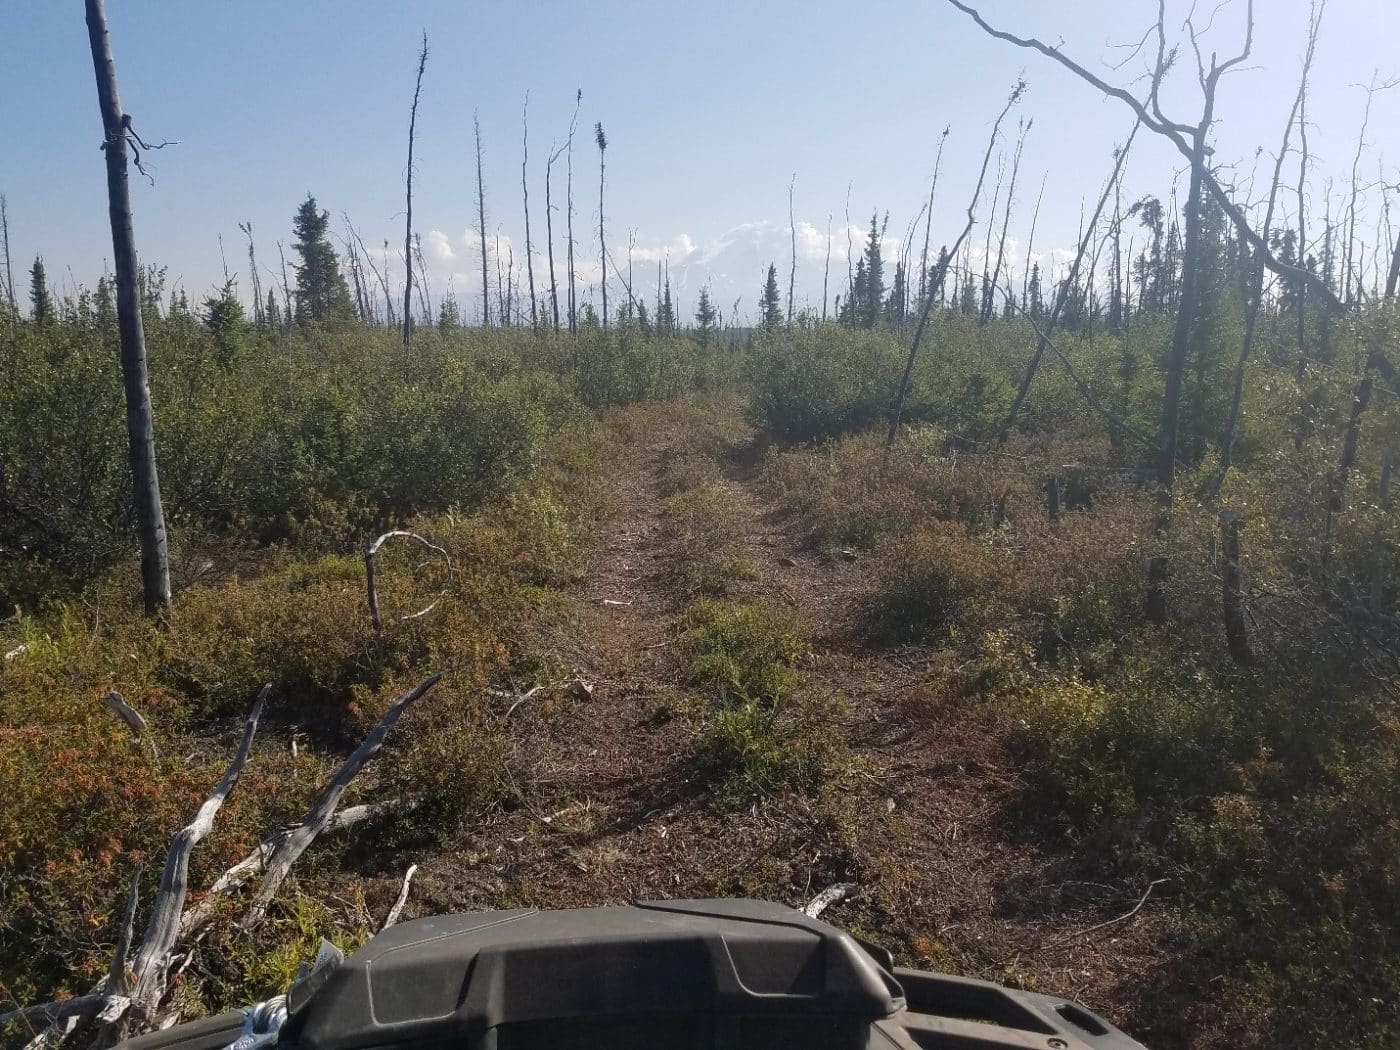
(677, 975)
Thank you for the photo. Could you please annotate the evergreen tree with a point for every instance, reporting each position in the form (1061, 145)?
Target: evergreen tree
(41, 302)
(106, 305)
(772, 316)
(643, 319)
(705, 317)
(449, 314)
(894, 309)
(225, 320)
(272, 313)
(873, 298)
(321, 292)
(666, 315)
(1036, 305)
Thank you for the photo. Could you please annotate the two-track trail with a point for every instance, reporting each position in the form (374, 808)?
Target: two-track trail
(615, 805)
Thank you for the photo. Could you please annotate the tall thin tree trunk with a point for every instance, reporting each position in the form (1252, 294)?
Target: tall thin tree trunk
(569, 212)
(897, 409)
(525, 192)
(140, 422)
(1006, 219)
(1043, 339)
(425, 292)
(1030, 246)
(247, 228)
(826, 272)
(408, 218)
(9, 267)
(928, 216)
(602, 141)
(792, 229)
(481, 225)
(549, 236)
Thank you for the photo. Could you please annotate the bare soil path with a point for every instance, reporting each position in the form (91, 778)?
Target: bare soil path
(614, 806)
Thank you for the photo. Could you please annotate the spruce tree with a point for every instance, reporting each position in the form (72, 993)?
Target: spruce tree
(705, 317)
(321, 292)
(449, 313)
(894, 308)
(666, 316)
(873, 300)
(772, 316)
(272, 313)
(41, 302)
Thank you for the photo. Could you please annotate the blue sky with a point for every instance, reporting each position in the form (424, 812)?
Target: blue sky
(710, 108)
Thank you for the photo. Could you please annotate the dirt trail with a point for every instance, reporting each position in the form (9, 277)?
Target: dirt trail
(616, 808)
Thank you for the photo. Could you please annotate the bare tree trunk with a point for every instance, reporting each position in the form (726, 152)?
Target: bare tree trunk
(9, 268)
(525, 192)
(1006, 219)
(549, 236)
(247, 228)
(1392, 281)
(573, 295)
(602, 141)
(140, 422)
(792, 230)
(1232, 589)
(408, 218)
(425, 292)
(928, 215)
(826, 271)
(1030, 245)
(481, 226)
(1255, 296)
(287, 291)
(1042, 341)
(897, 410)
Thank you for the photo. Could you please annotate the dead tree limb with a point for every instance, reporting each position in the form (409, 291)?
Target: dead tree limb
(152, 960)
(401, 900)
(1120, 155)
(373, 593)
(408, 218)
(1179, 135)
(897, 409)
(831, 895)
(197, 917)
(279, 864)
(113, 702)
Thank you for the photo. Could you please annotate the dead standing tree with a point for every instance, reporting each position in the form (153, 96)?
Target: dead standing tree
(408, 220)
(1191, 141)
(481, 226)
(602, 141)
(936, 284)
(118, 135)
(525, 192)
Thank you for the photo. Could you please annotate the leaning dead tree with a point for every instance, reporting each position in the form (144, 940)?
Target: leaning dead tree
(936, 283)
(408, 220)
(1120, 155)
(372, 590)
(1255, 296)
(134, 996)
(118, 136)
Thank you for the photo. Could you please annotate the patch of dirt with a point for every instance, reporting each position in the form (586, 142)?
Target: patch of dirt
(952, 876)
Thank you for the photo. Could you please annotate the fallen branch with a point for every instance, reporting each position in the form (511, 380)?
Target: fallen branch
(114, 702)
(153, 959)
(1111, 922)
(198, 917)
(295, 842)
(397, 909)
(833, 894)
(370, 552)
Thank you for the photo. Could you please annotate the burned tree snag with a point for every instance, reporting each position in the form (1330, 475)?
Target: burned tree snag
(408, 220)
(481, 226)
(140, 422)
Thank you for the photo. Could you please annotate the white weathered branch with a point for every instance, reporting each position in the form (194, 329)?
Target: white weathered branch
(153, 958)
(373, 594)
(115, 703)
(295, 842)
(251, 866)
(397, 909)
(833, 894)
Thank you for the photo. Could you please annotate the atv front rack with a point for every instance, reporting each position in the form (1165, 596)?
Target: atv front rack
(673, 975)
